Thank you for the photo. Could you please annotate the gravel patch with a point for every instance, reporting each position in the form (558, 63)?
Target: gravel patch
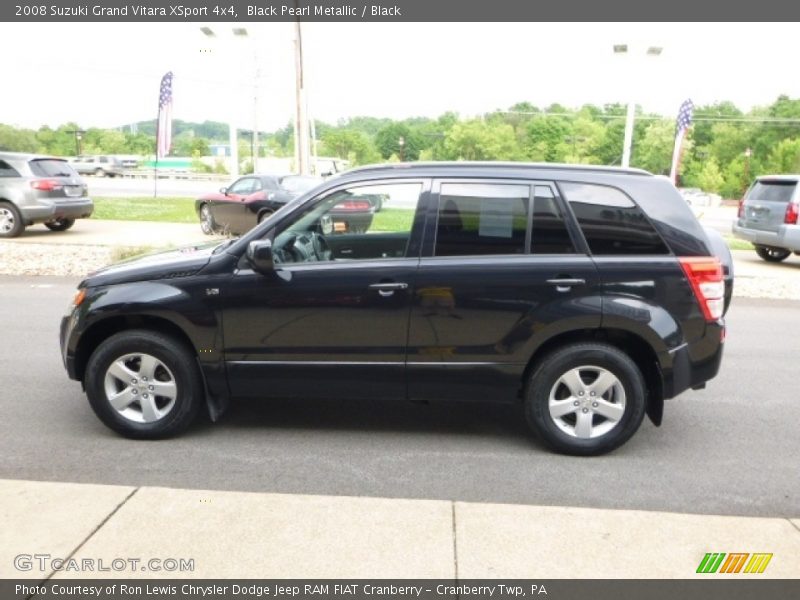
(51, 259)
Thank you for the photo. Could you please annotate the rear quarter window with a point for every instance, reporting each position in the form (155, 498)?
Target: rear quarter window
(612, 223)
(772, 191)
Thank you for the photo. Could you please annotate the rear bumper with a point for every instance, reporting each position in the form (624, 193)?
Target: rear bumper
(787, 236)
(691, 365)
(49, 210)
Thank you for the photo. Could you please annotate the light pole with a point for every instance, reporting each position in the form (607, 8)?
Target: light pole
(402, 143)
(233, 138)
(747, 154)
(629, 117)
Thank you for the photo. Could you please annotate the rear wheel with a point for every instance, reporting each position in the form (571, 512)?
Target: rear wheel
(264, 215)
(771, 254)
(585, 399)
(99, 172)
(11, 224)
(60, 224)
(144, 384)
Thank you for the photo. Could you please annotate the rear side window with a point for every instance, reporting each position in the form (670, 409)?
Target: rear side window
(48, 167)
(6, 170)
(611, 222)
(772, 191)
(482, 218)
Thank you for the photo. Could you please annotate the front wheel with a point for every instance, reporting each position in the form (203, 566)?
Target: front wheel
(585, 399)
(60, 224)
(143, 384)
(770, 254)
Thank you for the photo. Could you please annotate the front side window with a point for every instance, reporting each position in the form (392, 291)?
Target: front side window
(611, 222)
(481, 219)
(242, 186)
(6, 170)
(346, 225)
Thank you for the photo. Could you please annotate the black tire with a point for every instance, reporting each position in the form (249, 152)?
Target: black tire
(60, 224)
(770, 254)
(264, 215)
(11, 224)
(207, 223)
(180, 366)
(545, 378)
(99, 172)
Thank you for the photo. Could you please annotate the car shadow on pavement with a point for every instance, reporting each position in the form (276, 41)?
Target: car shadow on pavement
(501, 420)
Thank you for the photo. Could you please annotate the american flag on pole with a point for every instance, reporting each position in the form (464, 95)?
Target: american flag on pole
(681, 126)
(164, 127)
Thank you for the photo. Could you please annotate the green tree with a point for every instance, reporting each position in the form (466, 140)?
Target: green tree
(477, 140)
(17, 140)
(351, 145)
(654, 151)
(387, 141)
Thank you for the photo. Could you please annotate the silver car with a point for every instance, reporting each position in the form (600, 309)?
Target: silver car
(99, 166)
(40, 189)
(768, 216)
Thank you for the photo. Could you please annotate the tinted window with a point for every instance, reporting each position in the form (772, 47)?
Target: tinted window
(6, 170)
(49, 167)
(772, 191)
(549, 233)
(481, 218)
(611, 222)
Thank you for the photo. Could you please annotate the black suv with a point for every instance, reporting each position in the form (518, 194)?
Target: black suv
(588, 294)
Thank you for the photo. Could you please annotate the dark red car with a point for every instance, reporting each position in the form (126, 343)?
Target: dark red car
(248, 201)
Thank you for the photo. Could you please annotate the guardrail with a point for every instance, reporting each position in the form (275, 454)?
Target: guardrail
(174, 174)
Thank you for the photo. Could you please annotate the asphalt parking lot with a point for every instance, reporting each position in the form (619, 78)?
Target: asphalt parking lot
(731, 449)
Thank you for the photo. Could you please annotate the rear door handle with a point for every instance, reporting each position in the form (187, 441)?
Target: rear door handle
(388, 289)
(564, 284)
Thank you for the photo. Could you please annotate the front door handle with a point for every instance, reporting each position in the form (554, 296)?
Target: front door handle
(389, 288)
(564, 284)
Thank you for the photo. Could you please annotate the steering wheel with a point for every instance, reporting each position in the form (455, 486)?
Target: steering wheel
(320, 246)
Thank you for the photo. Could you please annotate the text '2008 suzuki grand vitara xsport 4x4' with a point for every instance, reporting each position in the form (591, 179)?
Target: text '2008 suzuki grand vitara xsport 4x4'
(589, 294)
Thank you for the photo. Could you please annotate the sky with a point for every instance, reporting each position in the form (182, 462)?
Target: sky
(108, 74)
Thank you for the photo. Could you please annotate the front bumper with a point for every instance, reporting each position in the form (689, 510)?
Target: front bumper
(787, 236)
(50, 210)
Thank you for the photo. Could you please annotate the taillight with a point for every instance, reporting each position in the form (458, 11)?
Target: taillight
(792, 212)
(705, 276)
(353, 205)
(740, 214)
(45, 185)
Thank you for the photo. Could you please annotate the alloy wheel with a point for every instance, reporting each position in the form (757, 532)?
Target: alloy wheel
(587, 402)
(140, 387)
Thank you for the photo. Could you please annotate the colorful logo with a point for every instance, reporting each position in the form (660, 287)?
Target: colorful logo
(734, 562)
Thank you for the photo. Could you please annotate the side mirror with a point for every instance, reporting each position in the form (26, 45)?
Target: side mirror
(259, 255)
(223, 190)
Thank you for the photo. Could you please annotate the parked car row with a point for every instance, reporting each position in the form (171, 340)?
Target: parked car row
(40, 189)
(589, 295)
